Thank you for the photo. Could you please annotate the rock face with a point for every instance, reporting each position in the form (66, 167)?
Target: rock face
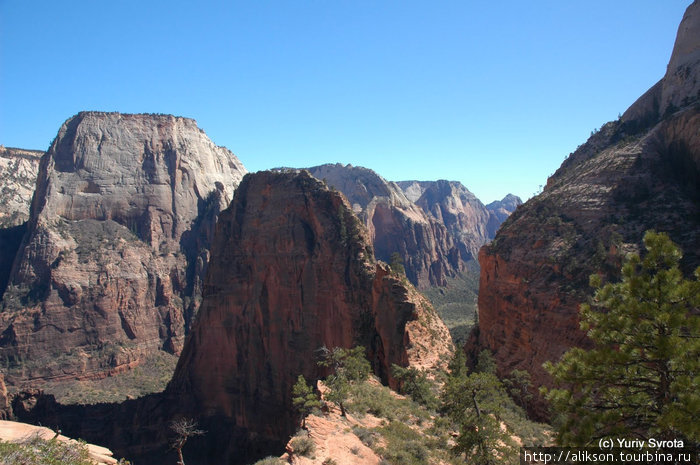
(116, 247)
(292, 271)
(396, 224)
(638, 173)
(469, 222)
(681, 85)
(18, 172)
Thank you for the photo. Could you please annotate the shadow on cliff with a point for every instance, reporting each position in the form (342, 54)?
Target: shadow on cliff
(10, 240)
(138, 429)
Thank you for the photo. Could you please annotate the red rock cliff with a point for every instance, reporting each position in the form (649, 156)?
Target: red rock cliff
(116, 245)
(292, 270)
(638, 173)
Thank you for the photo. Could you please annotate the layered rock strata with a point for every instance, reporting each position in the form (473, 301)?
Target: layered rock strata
(638, 173)
(111, 265)
(396, 225)
(292, 272)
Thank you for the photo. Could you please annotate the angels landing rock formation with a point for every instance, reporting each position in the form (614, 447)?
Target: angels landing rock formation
(116, 246)
(292, 271)
(396, 225)
(638, 173)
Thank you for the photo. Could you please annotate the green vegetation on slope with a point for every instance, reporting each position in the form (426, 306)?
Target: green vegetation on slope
(642, 377)
(421, 430)
(456, 303)
(149, 377)
(37, 451)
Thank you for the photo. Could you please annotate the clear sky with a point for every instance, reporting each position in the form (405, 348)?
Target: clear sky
(494, 94)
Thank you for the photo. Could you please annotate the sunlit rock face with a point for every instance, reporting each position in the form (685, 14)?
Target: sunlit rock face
(429, 253)
(470, 223)
(116, 246)
(18, 172)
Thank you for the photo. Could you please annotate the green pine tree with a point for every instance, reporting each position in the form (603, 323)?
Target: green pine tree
(642, 377)
(518, 384)
(476, 403)
(349, 366)
(415, 383)
(304, 399)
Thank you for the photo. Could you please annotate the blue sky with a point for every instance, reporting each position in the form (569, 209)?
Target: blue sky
(492, 94)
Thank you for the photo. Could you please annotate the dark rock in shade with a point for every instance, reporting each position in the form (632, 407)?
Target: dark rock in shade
(5, 410)
(111, 264)
(641, 172)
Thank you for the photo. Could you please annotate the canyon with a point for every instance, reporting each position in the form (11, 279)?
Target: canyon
(135, 235)
(292, 271)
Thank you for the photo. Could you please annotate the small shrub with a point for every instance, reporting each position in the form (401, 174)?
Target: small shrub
(329, 461)
(403, 445)
(415, 383)
(396, 264)
(303, 446)
(364, 435)
(378, 401)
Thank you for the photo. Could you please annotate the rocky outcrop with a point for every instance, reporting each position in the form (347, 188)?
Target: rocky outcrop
(681, 84)
(292, 272)
(11, 431)
(18, 172)
(333, 438)
(635, 174)
(396, 225)
(111, 265)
